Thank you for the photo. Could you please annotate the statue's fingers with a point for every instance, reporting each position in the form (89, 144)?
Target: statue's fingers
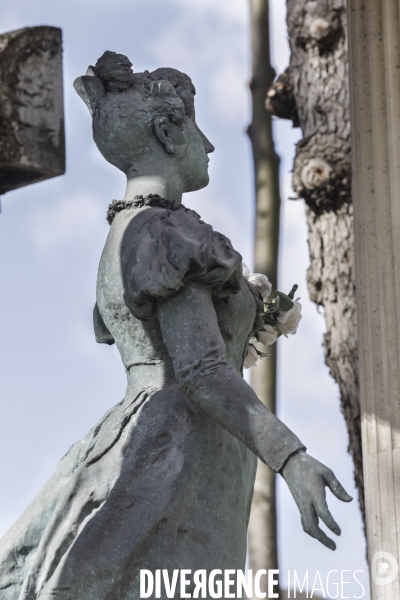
(309, 521)
(324, 514)
(335, 487)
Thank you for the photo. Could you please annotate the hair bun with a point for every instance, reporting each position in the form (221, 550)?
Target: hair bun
(162, 87)
(115, 70)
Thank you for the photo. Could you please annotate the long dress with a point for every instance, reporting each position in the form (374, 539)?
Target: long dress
(157, 483)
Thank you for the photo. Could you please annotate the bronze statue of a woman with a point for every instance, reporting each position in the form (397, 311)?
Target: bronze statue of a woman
(165, 479)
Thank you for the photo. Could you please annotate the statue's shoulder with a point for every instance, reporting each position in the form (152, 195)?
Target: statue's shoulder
(161, 247)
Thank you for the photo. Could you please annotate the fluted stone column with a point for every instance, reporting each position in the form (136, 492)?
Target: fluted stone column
(374, 35)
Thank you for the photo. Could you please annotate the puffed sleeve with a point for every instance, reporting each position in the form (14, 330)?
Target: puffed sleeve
(165, 248)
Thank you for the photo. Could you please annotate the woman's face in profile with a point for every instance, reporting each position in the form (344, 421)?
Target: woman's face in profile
(194, 161)
(134, 136)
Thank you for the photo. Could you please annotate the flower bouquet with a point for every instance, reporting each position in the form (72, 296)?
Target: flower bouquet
(281, 316)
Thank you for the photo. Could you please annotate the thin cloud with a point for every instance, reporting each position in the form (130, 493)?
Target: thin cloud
(224, 57)
(68, 221)
(234, 10)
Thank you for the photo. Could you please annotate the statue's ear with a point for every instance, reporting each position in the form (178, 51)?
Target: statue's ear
(163, 129)
(90, 88)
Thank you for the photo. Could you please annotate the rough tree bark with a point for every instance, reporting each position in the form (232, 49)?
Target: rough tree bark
(314, 93)
(263, 553)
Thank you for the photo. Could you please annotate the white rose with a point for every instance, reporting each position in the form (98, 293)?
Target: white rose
(289, 320)
(261, 283)
(245, 271)
(251, 357)
(269, 336)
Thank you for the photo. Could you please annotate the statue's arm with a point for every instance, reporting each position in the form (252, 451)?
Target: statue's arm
(191, 334)
(190, 331)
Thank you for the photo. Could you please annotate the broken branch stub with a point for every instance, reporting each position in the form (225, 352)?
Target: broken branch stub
(32, 141)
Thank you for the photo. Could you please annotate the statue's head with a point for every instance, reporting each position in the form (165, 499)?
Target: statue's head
(145, 121)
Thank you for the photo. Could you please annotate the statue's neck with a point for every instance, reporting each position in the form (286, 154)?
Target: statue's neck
(165, 187)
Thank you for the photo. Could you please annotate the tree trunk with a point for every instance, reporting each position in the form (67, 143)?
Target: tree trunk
(314, 93)
(263, 553)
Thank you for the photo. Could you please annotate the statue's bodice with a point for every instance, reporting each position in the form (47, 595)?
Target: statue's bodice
(140, 341)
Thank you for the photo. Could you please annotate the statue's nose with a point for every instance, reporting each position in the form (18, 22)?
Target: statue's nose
(208, 147)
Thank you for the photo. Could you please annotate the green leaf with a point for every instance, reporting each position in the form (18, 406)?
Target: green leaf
(272, 303)
(270, 319)
(285, 303)
(272, 306)
(293, 291)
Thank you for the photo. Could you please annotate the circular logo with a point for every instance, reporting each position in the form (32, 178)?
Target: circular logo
(384, 568)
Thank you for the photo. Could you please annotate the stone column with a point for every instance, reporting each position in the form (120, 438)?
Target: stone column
(374, 35)
(32, 144)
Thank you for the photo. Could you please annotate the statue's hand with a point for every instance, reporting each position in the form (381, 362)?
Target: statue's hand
(307, 478)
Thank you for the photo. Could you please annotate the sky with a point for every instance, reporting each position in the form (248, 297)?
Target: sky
(56, 382)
